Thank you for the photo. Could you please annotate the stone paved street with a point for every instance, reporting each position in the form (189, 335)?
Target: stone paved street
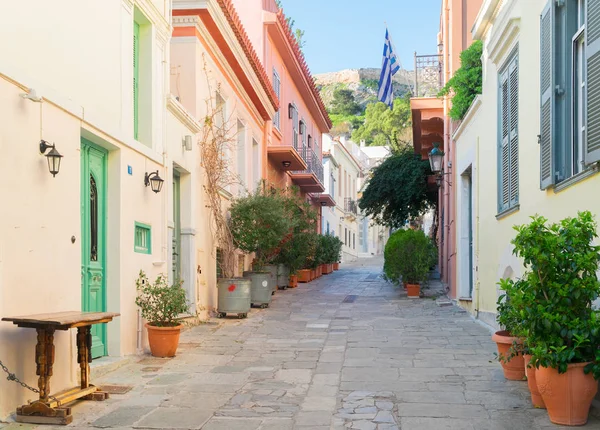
(346, 351)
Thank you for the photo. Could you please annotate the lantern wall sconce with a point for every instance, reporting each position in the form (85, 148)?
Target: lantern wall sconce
(53, 157)
(154, 181)
(187, 142)
(291, 109)
(302, 127)
(436, 159)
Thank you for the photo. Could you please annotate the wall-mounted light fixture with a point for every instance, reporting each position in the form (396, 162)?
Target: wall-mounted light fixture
(187, 143)
(286, 164)
(436, 159)
(53, 157)
(302, 127)
(154, 181)
(291, 109)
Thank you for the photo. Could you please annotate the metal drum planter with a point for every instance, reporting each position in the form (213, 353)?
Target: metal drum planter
(261, 289)
(234, 297)
(283, 277)
(272, 269)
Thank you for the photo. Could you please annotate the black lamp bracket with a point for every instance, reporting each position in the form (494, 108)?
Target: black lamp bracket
(44, 146)
(149, 176)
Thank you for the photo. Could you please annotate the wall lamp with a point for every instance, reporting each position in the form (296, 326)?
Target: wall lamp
(187, 143)
(154, 181)
(53, 157)
(286, 164)
(436, 159)
(291, 109)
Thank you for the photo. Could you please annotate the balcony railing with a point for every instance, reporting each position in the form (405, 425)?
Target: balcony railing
(314, 163)
(350, 206)
(428, 75)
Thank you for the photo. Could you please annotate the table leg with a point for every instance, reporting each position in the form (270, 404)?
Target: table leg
(84, 354)
(44, 358)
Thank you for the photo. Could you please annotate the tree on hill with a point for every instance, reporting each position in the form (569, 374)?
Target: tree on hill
(344, 103)
(385, 126)
(397, 190)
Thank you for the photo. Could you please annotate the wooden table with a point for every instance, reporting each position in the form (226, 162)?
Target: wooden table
(49, 409)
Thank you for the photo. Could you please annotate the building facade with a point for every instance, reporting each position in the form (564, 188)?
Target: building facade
(432, 124)
(528, 144)
(122, 115)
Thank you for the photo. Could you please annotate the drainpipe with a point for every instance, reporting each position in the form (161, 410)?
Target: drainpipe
(477, 284)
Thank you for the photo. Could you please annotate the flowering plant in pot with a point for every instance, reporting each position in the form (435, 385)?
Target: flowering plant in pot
(562, 329)
(257, 224)
(161, 306)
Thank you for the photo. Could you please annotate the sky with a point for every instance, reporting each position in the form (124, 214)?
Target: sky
(349, 34)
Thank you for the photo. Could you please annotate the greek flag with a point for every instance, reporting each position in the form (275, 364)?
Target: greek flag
(389, 68)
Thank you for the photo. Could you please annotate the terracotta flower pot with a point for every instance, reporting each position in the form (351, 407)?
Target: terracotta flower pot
(304, 275)
(514, 370)
(293, 283)
(568, 396)
(313, 274)
(414, 290)
(163, 340)
(530, 372)
(336, 266)
(327, 269)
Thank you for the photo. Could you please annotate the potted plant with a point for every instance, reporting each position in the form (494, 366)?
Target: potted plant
(509, 340)
(161, 306)
(411, 258)
(562, 328)
(257, 224)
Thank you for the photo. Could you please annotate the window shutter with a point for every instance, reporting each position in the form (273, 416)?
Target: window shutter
(136, 77)
(504, 153)
(592, 34)
(547, 96)
(513, 84)
(277, 88)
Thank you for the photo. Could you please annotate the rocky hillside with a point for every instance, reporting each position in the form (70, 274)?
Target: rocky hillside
(362, 82)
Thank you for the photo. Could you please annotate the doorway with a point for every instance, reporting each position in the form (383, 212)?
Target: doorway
(176, 263)
(466, 235)
(93, 238)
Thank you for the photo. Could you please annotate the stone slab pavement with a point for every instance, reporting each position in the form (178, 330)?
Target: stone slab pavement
(348, 351)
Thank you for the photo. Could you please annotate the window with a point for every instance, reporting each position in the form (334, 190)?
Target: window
(345, 236)
(142, 238)
(570, 70)
(508, 145)
(241, 153)
(327, 227)
(277, 88)
(136, 78)
(332, 185)
(255, 164)
(295, 127)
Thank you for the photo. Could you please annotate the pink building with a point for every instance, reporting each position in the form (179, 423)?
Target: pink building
(431, 123)
(293, 139)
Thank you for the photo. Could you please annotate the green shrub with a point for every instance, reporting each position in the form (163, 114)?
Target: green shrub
(160, 303)
(408, 255)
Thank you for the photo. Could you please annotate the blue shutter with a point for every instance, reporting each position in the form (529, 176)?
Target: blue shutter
(504, 149)
(547, 96)
(592, 42)
(513, 96)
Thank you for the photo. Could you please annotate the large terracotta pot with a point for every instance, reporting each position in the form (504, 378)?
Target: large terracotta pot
(336, 266)
(514, 370)
(304, 275)
(327, 269)
(319, 271)
(293, 282)
(313, 274)
(414, 291)
(530, 372)
(568, 396)
(163, 340)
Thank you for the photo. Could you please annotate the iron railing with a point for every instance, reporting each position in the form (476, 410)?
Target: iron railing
(312, 160)
(350, 206)
(429, 78)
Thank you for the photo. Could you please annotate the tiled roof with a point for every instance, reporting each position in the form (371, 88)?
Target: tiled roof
(236, 24)
(302, 61)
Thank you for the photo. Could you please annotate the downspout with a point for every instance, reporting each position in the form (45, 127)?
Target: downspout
(477, 284)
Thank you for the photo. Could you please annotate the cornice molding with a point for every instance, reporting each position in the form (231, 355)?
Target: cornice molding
(469, 116)
(486, 15)
(160, 22)
(502, 41)
(182, 114)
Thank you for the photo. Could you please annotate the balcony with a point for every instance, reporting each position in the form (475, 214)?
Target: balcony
(350, 207)
(286, 156)
(310, 179)
(323, 199)
(428, 75)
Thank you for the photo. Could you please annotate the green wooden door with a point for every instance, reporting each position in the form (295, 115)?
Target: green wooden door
(177, 228)
(93, 239)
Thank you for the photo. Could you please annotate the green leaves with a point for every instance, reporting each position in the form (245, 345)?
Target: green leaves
(408, 254)
(397, 190)
(160, 303)
(466, 83)
(385, 126)
(553, 298)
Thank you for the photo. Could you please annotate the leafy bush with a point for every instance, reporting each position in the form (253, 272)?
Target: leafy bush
(258, 224)
(408, 256)
(329, 249)
(466, 83)
(160, 303)
(552, 301)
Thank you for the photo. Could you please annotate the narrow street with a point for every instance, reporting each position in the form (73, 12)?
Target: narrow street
(346, 351)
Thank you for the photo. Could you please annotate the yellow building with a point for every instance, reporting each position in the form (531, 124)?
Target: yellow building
(530, 143)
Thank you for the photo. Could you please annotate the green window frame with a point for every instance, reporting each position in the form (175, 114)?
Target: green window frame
(142, 239)
(508, 134)
(136, 77)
